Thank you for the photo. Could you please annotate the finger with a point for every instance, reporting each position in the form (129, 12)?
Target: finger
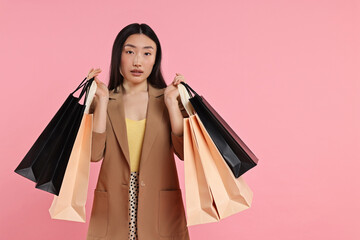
(178, 80)
(181, 78)
(95, 70)
(92, 75)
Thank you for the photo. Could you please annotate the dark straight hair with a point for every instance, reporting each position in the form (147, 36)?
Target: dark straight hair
(155, 78)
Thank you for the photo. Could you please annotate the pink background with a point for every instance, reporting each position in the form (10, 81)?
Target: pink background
(284, 74)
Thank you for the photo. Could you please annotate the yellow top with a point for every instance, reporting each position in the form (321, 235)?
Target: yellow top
(135, 132)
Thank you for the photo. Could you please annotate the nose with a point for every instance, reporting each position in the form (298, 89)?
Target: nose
(136, 61)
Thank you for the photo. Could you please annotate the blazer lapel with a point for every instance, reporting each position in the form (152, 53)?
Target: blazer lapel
(154, 115)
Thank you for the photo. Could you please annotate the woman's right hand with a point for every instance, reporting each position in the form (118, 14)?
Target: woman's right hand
(100, 102)
(102, 92)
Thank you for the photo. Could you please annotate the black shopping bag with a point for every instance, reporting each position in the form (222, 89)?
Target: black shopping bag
(236, 154)
(46, 161)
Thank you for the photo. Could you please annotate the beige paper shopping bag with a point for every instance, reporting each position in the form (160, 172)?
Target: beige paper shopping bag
(200, 207)
(231, 195)
(70, 204)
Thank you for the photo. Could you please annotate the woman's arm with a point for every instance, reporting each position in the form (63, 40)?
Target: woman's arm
(176, 118)
(99, 110)
(100, 116)
(99, 130)
(178, 140)
(176, 113)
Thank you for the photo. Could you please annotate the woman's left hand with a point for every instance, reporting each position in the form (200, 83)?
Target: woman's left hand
(171, 92)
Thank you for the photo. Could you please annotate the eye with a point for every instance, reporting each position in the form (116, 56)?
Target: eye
(148, 54)
(129, 51)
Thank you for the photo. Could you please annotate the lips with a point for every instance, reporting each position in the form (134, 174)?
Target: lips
(136, 71)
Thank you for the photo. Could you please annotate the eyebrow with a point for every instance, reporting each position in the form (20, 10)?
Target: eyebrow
(130, 45)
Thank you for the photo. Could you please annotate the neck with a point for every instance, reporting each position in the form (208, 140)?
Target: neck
(134, 88)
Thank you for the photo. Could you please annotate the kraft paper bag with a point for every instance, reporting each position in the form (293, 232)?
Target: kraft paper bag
(212, 191)
(231, 195)
(199, 201)
(235, 152)
(70, 204)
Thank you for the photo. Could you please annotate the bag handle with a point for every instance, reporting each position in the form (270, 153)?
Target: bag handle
(86, 89)
(90, 96)
(80, 85)
(85, 85)
(188, 88)
(185, 95)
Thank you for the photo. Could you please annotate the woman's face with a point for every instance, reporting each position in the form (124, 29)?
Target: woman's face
(137, 58)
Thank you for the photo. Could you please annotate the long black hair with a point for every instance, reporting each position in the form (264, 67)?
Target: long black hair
(155, 78)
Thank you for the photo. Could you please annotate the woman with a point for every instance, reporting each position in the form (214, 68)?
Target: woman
(138, 125)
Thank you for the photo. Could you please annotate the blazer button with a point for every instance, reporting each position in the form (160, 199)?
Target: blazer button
(142, 183)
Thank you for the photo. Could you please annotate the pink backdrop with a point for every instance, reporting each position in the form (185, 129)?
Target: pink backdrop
(284, 74)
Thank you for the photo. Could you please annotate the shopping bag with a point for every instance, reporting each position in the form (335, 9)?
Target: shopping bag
(231, 195)
(235, 152)
(46, 161)
(208, 179)
(200, 206)
(70, 203)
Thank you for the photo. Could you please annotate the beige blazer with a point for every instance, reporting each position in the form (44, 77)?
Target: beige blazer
(161, 213)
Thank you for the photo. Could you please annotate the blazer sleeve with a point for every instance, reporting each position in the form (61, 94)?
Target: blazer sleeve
(98, 143)
(98, 146)
(178, 141)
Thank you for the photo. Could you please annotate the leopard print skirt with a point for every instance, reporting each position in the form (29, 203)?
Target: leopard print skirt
(133, 205)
